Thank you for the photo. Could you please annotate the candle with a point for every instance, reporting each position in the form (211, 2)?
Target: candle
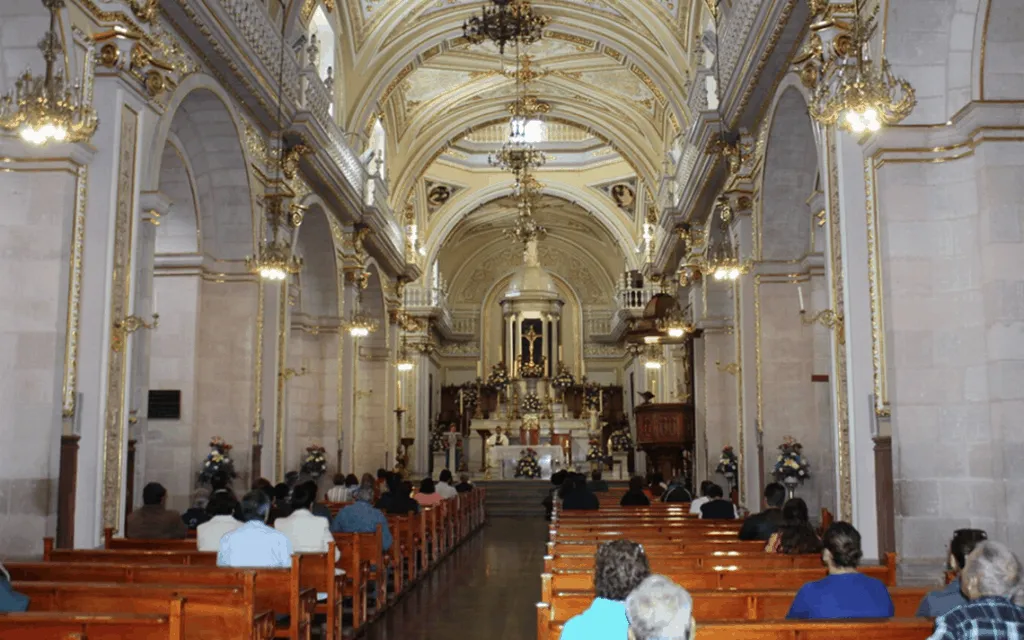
(462, 407)
(800, 292)
(600, 401)
(560, 358)
(156, 307)
(479, 369)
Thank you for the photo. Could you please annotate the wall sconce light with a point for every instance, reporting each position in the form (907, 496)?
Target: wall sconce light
(128, 326)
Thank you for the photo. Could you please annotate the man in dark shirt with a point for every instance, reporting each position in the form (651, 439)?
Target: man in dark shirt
(596, 484)
(579, 497)
(464, 486)
(717, 508)
(762, 525)
(153, 521)
(397, 501)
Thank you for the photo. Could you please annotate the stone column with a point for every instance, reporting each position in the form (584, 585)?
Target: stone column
(349, 359)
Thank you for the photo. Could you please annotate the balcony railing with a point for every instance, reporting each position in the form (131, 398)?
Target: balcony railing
(634, 299)
(425, 297)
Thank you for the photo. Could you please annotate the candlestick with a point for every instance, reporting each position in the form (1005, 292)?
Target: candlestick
(800, 292)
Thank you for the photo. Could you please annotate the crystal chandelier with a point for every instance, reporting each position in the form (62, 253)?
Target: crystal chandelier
(504, 22)
(44, 108)
(526, 228)
(517, 156)
(360, 325)
(274, 259)
(723, 263)
(404, 362)
(854, 91)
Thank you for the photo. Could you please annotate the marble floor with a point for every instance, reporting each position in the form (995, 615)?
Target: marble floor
(487, 589)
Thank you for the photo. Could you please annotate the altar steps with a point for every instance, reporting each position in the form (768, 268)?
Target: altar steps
(518, 498)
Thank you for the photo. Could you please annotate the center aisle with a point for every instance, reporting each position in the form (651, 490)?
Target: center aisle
(488, 589)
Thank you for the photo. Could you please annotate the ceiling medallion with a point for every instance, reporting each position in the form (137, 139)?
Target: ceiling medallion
(504, 22)
(44, 108)
(853, 90)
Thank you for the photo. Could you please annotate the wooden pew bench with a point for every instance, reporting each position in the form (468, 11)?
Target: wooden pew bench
(96, 626)
(894, 629)
(722, 547)
(694, 561)
(210, 613)
(279, 590)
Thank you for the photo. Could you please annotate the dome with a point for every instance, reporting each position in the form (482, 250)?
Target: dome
(531, 281)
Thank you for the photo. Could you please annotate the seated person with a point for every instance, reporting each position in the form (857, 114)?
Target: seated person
(844, 593)
(281, 505)
(339, 492)
(254, 544)
(383, 475)
(619, 568)
(635, 495)
(196, 514)
(464, 485)
(444, 485)
(697, 503)
(317, 508)
(656, 486)
(991, 580)
(427, 495)
(677, 491)
(362, 517)
(596, 484)
(153, 521)
(11, 601)
(308, 533)
(945, 600)
(222, 520)
(557, 480)
(578, 497)
(717, 508)
(659, 609)
(761, 526)
(796, 535)
(397, 501)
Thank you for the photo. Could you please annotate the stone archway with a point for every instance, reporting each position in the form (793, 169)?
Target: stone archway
(205, 345)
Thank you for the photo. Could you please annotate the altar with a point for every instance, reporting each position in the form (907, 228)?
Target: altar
(578, 432)
(548, 457)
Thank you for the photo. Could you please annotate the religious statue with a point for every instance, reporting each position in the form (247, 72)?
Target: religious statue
(497, 439)
(453, 457)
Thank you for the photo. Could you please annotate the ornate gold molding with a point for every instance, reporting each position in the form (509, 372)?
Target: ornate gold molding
(70, 386)
(282, 355)
(120, 298)
(841, 411)
(257, 428)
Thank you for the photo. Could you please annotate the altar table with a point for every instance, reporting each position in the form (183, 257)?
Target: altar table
(549, 458)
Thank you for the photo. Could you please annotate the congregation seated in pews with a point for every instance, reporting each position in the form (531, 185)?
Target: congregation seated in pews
(264, 567)
(663, 573)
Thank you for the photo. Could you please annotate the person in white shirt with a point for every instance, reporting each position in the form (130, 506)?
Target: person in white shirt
(308, 533)
(343, 488)
(697, 503)
(444, 486)
(208, 534)
(254, 544)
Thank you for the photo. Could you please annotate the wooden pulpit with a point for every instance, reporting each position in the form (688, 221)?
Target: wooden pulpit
(664, 432)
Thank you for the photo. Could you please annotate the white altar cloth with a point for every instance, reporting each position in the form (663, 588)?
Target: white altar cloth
(549, 458)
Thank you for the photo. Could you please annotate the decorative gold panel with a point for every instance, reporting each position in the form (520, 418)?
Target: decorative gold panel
(120, 298)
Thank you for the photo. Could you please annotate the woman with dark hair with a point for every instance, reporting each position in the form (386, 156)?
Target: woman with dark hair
(427, 495)
(796, 535)
(656, 486)
(619, 568)
(397, 500)
(945, 600)
(844, 593)
(579, 497)
(635, 496)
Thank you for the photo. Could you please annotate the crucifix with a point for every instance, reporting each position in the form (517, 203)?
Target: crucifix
(532, 336)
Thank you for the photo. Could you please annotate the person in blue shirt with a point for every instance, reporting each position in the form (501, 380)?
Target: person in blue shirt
(619, 568)
(254, 544)
(362, 517)
(945, 600)
(844, 593)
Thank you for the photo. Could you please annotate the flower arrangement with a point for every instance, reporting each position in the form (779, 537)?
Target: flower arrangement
(594, 453)
(791, 465)
(315, 462)
(527, 466)
(728, 464)
(621, 440)
(532, 403)
(469, 395)
(498, 379)
(564, 380)
(218, 462)
(438, 441)
(532, 369)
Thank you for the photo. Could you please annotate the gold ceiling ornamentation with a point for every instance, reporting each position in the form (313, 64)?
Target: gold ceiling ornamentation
(524, 73)
(529, 106)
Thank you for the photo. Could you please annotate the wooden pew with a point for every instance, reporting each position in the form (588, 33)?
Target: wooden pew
(98, 626)
(210, 613)
(894, 629)
(710, 579)
(694, 561)
(286, 596)
(712, 606)
(723, 547)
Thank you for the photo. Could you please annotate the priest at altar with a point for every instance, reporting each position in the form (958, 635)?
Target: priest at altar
(497, 439)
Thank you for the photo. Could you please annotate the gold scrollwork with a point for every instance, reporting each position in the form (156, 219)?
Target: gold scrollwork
(828, 319)
(733, 368)
(144, 10)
